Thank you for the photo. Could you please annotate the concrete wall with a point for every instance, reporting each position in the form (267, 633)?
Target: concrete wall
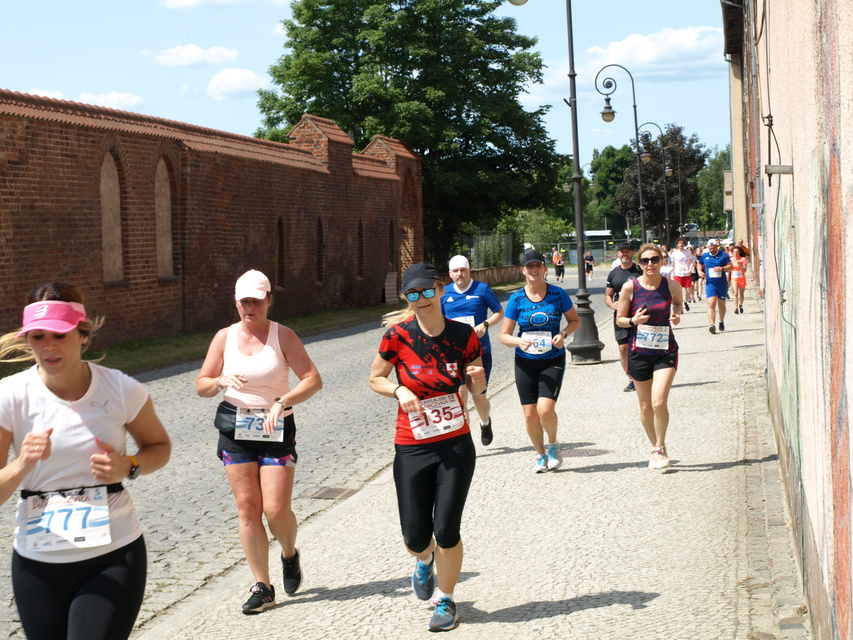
(797, 67)
(325, 224)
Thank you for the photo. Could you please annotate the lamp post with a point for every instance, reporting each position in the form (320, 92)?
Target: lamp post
(680, 213)
(608, 86)
(664, 167)
(585, 346)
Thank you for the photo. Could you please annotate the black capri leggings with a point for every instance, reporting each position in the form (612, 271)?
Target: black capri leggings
(432, 482)
(95, 599)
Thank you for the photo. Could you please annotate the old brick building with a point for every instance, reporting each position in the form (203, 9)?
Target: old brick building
(154, 220)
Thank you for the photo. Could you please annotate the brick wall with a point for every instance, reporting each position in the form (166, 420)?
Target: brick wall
(237, 203)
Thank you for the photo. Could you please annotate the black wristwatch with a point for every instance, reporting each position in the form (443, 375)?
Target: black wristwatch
(134, 469)
(631, 322)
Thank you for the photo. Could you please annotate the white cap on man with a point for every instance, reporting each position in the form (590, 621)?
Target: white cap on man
(458, 262)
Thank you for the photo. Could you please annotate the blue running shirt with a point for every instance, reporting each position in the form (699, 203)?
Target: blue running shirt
(546, 315)
(476, 303)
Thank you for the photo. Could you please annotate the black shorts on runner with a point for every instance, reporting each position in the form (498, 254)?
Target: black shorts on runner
(536, 379)
(642, 367)
(244, 450)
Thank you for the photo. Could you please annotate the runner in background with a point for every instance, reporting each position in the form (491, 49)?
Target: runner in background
(683, 261)
(624, 270)
(474, 303)
(559, 264)
(738, 278)
(713, 267)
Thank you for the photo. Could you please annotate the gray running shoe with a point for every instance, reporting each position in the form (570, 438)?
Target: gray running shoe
(445, 617)
(423, 579)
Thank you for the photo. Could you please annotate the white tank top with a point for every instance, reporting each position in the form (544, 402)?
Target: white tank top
(267, 371)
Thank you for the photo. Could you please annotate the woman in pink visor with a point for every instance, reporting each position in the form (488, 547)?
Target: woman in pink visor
(79, 560)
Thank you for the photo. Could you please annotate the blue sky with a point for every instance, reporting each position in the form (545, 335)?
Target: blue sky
(201, 61)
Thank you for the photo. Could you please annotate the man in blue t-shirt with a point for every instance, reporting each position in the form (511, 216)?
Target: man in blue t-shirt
(713, 265)
(475, 304)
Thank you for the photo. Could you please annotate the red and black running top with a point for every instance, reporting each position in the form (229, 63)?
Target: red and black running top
(429, 366)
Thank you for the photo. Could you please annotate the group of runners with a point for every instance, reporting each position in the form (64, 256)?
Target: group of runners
(67, 419)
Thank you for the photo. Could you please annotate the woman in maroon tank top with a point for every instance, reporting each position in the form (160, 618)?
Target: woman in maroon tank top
(650, 305)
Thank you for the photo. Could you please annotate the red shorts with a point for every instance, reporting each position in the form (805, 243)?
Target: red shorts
(685, 281)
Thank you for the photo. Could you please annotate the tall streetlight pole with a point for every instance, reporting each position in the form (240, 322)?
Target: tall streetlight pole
(585, 346)
(608, 86)
(664, 167)
(680, 210)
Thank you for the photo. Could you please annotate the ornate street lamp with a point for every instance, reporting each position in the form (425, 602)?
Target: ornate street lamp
(608, 86)
(666, 168)
(585, 346)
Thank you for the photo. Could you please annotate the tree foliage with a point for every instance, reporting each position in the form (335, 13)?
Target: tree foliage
(709, 212)
(608, 168)
(442, 75)
(689, 154)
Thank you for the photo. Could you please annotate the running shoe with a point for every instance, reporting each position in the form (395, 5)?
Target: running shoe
(686, 307)
(260, 600)
(555, 457)
(541, 465)
(741, 310)
(445, 617)
(486, 434)
(423, 579)
(292, 572)
(712, 329)
(630, 386)
(663, 459)
(736, 311)
(722, 327)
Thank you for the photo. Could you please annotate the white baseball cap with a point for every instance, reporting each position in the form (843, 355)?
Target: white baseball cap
(458, 262)
(252, 284)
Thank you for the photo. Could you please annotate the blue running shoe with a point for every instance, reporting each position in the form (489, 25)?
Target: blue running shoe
(541, 465)
(445, 617)
(555, 458)
(423, 579)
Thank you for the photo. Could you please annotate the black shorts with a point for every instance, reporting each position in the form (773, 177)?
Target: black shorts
(588, 267)
(432, 481)
(694, 276)
(623, 335)
(536, 379)
(246, 450)
(642, 367)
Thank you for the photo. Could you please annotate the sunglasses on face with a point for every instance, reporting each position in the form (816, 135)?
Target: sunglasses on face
(653, 260)
(412, 296)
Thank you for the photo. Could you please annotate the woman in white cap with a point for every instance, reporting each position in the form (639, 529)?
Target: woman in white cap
(79, 563)
(250, 361)
(435, 456)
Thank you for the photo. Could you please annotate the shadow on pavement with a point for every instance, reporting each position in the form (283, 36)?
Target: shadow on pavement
(553, 608)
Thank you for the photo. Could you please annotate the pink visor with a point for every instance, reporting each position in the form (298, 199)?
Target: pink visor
(55, 316)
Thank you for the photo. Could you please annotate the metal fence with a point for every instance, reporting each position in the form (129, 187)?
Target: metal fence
(487, 249)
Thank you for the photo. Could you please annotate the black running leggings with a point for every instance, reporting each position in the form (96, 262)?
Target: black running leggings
(432, 482)
(95, 599)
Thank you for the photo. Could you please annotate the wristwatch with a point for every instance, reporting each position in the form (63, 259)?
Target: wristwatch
(134, 468)
(486, 323)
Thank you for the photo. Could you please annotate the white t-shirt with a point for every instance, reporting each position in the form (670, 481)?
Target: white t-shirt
(112, 400)
(682, 262)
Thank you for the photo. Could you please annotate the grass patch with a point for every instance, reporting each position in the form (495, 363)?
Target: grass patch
(136, 356)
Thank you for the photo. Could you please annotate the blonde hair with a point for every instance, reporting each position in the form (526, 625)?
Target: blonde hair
(406, 313)
(15, 349)
(650, 246)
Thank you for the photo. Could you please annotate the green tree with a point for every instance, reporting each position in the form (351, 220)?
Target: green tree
(608, 167)
(687, 151)
(709, 212)
(444, 76)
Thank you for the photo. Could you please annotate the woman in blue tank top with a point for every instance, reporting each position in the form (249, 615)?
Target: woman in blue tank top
(650, 305)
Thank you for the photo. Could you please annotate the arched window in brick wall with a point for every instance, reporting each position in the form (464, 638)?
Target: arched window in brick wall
(321, 253)
(360, 267)
(279, 253)
(163, 216)
(112, 251)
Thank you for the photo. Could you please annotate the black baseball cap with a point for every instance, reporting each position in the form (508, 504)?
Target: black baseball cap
(626, 245)
(531, 256)
(422, 275)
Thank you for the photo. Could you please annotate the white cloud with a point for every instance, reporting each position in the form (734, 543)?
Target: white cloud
(113, 100)
(46, 93)
(690, 53)
(278, 29)
(234, 83)
(191, 54)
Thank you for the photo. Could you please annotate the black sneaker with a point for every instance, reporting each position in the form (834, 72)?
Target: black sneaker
(686, 307)
(486, 434)
(292, 573)
(722, 327)
(260, 600)
(630, 386)
(741, 310)
(736, 311)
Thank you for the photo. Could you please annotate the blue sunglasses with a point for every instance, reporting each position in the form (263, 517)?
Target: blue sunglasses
(412, 296)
